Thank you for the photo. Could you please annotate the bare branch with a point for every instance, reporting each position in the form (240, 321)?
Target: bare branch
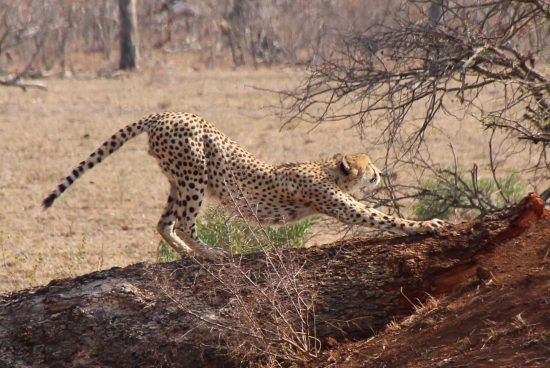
(431, 53)
(23, 84)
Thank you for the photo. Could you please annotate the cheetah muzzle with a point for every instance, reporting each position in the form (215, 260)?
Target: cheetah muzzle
(198, 159)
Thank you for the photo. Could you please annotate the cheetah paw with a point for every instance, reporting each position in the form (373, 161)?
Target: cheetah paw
(434, 225)
(213, 254)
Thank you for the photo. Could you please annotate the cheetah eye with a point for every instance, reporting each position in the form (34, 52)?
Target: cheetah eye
(373, 180)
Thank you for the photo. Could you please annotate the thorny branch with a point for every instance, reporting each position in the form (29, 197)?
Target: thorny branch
(416, 61)
(273, 313)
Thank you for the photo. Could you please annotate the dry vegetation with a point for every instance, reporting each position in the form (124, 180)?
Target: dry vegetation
(40, 37)
(108, 218)
(452, 105)
(412, 72)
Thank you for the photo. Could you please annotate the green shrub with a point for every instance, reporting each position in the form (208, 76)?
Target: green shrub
(219, 230)
(165, 253)
(441, 196)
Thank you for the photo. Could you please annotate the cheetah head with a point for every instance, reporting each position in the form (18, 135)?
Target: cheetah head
(354, 171)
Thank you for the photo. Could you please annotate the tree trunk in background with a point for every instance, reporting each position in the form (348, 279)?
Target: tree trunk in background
(237, 32)
(153, 315)
(436, 11)
(129, 52)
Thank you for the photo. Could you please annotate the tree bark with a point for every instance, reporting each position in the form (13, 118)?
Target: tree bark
(157, 315)
(129, 52)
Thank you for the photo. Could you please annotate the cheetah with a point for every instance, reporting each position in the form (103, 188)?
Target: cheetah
(198, 159)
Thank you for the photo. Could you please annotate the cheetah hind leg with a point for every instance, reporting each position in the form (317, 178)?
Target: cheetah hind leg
(186, 210)
(200, 248)
(167, 223)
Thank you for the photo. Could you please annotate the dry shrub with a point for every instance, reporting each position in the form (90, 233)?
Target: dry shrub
(272, 312)
(269, 313)
(435, 59)
(42, 36)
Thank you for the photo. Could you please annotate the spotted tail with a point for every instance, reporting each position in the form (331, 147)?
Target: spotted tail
(110, 146)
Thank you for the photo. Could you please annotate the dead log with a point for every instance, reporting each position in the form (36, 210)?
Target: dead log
(182, 313)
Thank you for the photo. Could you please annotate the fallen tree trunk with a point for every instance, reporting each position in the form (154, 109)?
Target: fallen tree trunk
(189, 314)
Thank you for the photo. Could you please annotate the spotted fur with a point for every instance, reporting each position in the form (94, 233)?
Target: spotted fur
(198, 159)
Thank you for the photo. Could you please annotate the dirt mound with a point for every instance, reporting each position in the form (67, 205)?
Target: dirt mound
(474, 296)
(496, 316)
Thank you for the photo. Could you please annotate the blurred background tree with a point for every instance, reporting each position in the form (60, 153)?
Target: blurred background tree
(129, 39)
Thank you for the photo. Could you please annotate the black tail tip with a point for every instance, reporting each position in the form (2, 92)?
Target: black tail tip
(46, 203)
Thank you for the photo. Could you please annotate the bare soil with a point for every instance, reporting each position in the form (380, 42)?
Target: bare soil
(108, 217)
(503, 321)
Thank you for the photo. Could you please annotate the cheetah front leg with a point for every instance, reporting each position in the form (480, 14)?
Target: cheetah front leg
(345, 208)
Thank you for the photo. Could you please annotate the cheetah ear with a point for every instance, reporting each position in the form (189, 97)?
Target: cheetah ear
(344, 165)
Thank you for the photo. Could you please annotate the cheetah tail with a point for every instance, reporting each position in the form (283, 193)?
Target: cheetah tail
(110, 146)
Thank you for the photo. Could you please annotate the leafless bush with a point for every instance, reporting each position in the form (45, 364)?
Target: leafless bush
(250, 32)
(433, 61)
(273, 318)
(269, 314)
(293, 31)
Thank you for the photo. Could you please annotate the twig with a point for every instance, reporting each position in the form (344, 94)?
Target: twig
(23, 84)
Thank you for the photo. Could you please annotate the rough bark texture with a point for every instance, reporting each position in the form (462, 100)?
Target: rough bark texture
(129, 52)
(154, 314)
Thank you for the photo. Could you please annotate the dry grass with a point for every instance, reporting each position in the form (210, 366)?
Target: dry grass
(108, 218)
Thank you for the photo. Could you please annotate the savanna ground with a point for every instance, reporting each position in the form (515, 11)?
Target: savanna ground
(498, 317)
(109, 217)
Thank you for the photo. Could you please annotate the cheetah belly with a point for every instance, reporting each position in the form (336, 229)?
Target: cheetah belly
(258, 207)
